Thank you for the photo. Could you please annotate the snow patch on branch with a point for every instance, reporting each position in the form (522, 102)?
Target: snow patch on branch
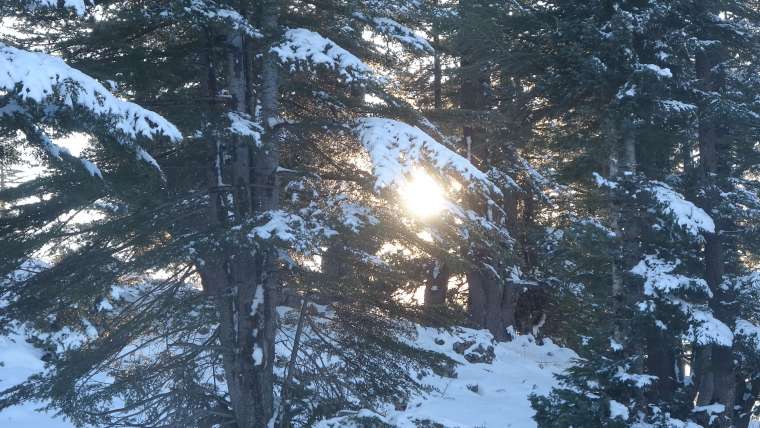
(748, 331)
(618, 410)
(305, 47)
(213, 12)
(241, 124)
(289, 228)
(401, 33)
(688, 216)
(657, 70)
(709, 330)
(396, 148)
(677, 106)
(603, 182)
(637, 380)
(33, 77)
(659, 279)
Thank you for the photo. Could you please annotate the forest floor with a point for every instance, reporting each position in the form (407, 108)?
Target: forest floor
(490, 388)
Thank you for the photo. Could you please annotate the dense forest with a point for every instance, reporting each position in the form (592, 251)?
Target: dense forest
(297, 213)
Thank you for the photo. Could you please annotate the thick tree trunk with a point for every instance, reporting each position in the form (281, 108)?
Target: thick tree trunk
(717, 379)
(242, 283)
(491, 305)
(661, 362)
(491, 300)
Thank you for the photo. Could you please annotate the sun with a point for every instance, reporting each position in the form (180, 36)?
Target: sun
(423, 197)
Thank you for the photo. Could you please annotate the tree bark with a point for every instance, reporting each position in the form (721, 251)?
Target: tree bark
(243, 283)
(437, 285)
(718, 379)
(491, 300)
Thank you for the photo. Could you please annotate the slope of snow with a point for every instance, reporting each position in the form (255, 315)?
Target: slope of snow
(481, 395)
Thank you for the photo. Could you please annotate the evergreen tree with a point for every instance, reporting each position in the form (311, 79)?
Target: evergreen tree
(284, 157)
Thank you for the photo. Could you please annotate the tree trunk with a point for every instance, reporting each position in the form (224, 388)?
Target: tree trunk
(491, 300)
(437, 285)
(661, 362)
(437, 75)
(717, 382)
(491, 305)
(242, 283)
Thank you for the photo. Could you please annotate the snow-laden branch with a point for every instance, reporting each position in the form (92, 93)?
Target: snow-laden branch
(210, 11)
(688, 216)
(396, 31)
(748, 331)
(396, 148)
(305, 48)
(707, 330)
(36, 78)
(659, 279)
(37, 137)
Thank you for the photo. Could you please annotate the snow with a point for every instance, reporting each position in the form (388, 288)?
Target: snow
(603, 182)
(482, 394)
(711, 408)
(213, 12)
(32, 77)
(677, 106)
(290, 228)
(479, 396)
(402, 34)
(355, 216)
(709, 330)
(302, 46)
(279, 226)
(688, 216)
(637, 380)
(618, 410)
(241, 124)
(660, 281)
(20, 360)
(749, 331)
(656, 69)
(396, 148)
(58, 152)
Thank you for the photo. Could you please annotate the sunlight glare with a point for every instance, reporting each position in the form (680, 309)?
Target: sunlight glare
(422, 195)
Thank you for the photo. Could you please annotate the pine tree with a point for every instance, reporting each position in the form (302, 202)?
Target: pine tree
(273, 102)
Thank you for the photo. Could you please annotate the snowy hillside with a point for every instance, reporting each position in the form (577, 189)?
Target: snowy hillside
(490, 388)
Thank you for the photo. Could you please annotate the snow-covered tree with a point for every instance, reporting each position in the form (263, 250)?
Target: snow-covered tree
(163, 308)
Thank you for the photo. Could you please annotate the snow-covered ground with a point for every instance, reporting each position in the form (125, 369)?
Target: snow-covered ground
(501, 389)
(20, 360)
(488, 395)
